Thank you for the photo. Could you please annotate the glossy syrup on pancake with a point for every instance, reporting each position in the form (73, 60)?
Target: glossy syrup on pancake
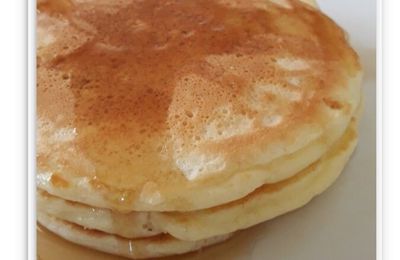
(127, 93)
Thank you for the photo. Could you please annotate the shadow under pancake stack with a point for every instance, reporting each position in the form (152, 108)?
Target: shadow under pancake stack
(166, 126)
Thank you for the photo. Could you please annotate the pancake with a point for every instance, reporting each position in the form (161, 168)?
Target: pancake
(277, 170)
(179, 108)
(266, 202)
(129, 225)
(311, 2)
(136, 249)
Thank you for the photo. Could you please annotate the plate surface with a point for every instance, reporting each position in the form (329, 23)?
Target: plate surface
(340, 223)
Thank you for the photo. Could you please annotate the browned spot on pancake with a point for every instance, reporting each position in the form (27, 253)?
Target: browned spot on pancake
(58, 181)
(333, 103)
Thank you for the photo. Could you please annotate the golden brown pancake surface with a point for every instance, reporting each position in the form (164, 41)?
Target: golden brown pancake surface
(144, 99)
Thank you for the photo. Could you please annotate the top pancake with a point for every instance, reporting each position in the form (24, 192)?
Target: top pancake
(157, 105)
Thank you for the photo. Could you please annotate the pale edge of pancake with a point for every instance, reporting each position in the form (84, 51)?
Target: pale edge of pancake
(311, 2)
(129, 225)
(135, 249)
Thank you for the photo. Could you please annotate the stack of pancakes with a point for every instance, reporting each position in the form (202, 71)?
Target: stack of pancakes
(165, 126)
